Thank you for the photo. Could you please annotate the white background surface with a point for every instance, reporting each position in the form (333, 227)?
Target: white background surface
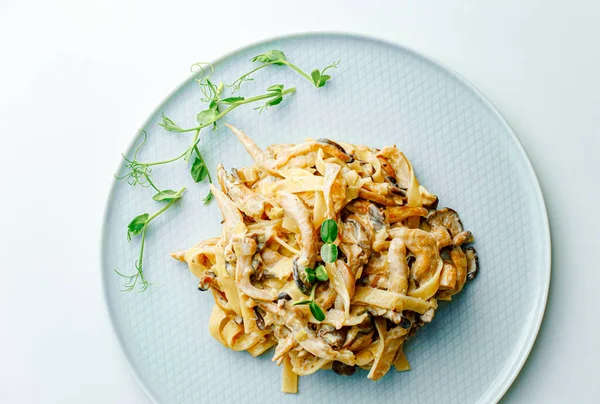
(78, 78)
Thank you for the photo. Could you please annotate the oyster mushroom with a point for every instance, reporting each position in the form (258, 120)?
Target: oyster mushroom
(459, 262)
(472, 263)
(335, 338)
(355, 243)
(297, 211)
(246, 200)
(430, 201)
(342, 369)
(400, 213)
(448, 219)
(261, 159)
(332, 148)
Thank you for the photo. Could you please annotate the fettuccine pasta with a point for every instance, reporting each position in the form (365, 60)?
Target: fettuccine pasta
(398, 255)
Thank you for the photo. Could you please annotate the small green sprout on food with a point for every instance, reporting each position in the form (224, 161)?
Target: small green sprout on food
(139, 225)
(312, 305)
(329, 253)
(329, 233)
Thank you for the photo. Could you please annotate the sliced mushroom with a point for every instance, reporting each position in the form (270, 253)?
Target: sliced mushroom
(430, 201)
(297, 211)
(208, 280)
(400, 213)
(244, 250)
(472, 263)
(462, 238)
(260, 157)
(231, 215)
(260, 321)
(448, 218)
(355, 243)
(300, 277)
(246, 200)
(378, 198)
(342, 369)
(332, 148)
(459, 260)
(335, 338)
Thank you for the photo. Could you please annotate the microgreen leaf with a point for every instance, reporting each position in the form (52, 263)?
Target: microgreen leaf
(136, 226)
(275, 88)
(323, 80)
(199, 171)
(206, 116)
(166, 196)
(274, 101)
(329, 231)
(169, 125)
(269, 57)
(329, 252)
(310, 275)
(316, 76)
(321, 273)
(232, 100)
(316, 311)
(301, 302)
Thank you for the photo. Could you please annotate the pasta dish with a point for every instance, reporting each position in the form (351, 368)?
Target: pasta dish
(332, 253)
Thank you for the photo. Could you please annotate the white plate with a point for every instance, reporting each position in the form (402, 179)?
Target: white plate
(381, 94)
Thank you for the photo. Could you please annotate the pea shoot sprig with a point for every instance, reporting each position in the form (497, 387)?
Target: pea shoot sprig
(329, 253)
(139, 225)
(219, 105)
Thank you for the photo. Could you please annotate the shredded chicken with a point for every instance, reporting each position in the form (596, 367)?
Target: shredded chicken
(397, 256)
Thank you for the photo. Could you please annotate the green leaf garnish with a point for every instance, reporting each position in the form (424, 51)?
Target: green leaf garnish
(232, 100)
(276, 88)
(321, 273)
(316, 311)
(166, 196)
(199, 171)
(273, 56)
(139, 225)
(206, 117)
(329, 231)
(329, 252)
(136, 226)
(310, 275)
(301, 302)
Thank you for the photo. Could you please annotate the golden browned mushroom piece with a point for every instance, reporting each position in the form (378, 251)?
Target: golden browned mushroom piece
(448, 218)
(284, 156)
(355, 242)
(472, 263)
(260, 157)
(246, 200)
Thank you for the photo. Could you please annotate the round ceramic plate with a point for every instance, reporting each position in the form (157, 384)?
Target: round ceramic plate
(381, 94)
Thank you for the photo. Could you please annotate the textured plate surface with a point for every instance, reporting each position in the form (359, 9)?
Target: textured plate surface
(381, 94)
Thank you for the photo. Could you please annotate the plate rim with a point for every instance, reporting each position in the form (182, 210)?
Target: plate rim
(508, 373)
